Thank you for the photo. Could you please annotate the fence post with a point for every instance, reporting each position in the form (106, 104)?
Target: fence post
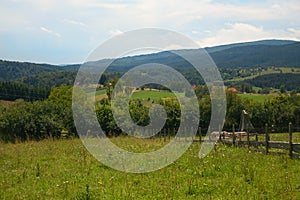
(200, 134)
(267, 139)
(248, 139)
(220, 135)
(290, 140)
(256, 140)
(233, 135)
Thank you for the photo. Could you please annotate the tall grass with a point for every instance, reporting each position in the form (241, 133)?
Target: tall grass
(63, 169)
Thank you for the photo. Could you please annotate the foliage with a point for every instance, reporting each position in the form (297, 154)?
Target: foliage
(22, 120)
(288, 80)
(258, 55)
(25, 120)
(50, 79)
(13, 90)
(10, 71)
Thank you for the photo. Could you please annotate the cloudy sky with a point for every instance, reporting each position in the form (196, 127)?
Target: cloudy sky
(55, 31)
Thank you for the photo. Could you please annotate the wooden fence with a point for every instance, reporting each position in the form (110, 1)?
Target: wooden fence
(235, 139)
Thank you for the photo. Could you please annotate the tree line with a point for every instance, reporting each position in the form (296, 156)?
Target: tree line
(23, 120)
(13, 90)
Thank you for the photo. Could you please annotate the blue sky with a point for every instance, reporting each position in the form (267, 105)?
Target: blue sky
(59, 32)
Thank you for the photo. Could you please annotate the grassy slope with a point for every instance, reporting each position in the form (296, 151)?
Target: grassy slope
(268, 71)
(156, 95)
(258, 97)
(284, 137)
(153, 95)
(143, 95)
(63, 169)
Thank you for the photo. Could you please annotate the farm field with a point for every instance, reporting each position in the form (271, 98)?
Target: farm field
(258, 97)
(284, 137)
(63, 169)
(157, 95)
(268, 71)
(98, 92)
(142, 95)
(153, 95)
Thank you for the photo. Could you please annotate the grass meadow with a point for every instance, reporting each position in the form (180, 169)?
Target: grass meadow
(157, 95)
(153, 95)
(142, 95)
(64, 169)
(258, 97)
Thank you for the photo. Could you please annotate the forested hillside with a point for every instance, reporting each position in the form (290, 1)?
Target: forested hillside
(264, 53)
(12, 70)
(259, 55)
(13, 90)
(239, 64)
(50, 79)
(288, 80)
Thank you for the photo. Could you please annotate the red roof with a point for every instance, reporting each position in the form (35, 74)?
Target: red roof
(232, 90)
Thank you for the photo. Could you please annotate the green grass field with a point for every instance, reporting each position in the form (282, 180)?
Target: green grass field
(142, 95)
(258, 97)
(98, 92)
(157, 95)
(63, 169)
(153, 95)
(268, 71)
(284, 137)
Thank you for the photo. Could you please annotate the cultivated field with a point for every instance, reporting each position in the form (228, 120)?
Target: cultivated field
(157, 95)
(258, 97)
(142, 95)
(63, 169)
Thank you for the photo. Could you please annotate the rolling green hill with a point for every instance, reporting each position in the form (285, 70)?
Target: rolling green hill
(261, 42)
(50, 79)
(288, 80)
(282, 53)
(255, 54)
(259, 55)
(12, 70)
(241, 62)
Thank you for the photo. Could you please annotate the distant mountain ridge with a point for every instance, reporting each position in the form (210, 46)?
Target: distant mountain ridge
(260, 42)
(284, 53)
(287, 55)
(13, 70)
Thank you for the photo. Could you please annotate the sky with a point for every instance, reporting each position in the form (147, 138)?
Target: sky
(63, 32)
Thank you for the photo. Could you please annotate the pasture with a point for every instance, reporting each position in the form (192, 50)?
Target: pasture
(152, 95)
(64, 169)
(157, 95)
(258, 97)
(146, 95)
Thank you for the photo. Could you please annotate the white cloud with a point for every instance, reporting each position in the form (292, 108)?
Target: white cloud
(296, 32)
(242, 32)
(115, 32)
(74, 22)
(107, 5)
(50, 31)
(276, 6)
(206, 21)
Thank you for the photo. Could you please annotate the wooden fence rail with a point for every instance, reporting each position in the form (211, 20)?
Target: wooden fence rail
(290, 146)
